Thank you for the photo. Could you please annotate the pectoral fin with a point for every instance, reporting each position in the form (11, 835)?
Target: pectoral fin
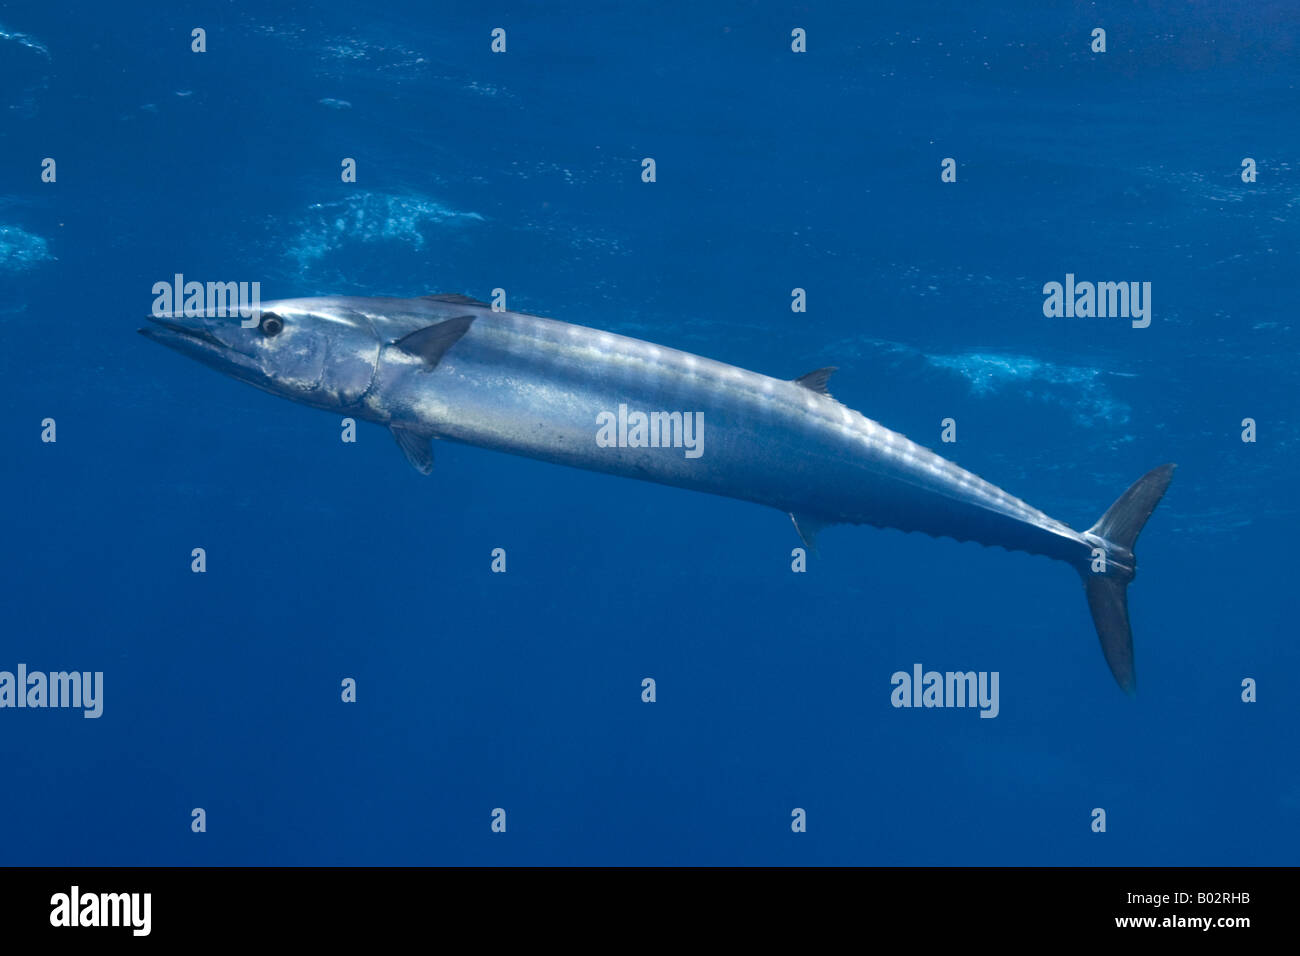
(417, 448)
(432, 342)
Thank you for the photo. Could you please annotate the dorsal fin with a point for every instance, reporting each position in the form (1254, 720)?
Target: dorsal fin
(816, 380)
(455, 298)
(431, 342)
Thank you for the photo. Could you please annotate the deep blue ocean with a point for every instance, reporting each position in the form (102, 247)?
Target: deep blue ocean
(775, 170)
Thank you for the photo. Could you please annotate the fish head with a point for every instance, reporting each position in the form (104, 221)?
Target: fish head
(320, 352)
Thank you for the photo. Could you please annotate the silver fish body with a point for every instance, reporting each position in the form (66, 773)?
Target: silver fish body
(449, 367)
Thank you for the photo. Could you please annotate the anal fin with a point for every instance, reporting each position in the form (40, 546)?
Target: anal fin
(417, 448)
(807, 528)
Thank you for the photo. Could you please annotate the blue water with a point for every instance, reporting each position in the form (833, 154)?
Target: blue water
(522, 690)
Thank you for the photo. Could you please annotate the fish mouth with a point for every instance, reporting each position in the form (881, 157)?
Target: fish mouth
(193, 336)
(173, 331)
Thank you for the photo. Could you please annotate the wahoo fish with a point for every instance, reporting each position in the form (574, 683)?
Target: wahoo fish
(451, 367)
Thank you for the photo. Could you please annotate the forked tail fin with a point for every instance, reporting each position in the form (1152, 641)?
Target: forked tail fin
(1107, 589)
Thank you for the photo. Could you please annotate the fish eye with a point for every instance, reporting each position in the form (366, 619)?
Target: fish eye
(271, 324)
